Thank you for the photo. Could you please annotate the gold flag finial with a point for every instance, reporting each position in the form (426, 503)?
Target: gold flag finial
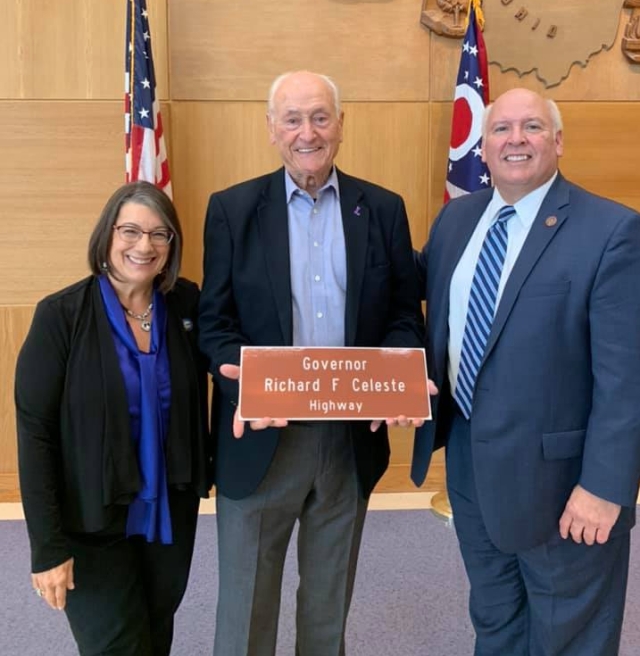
(477, 5)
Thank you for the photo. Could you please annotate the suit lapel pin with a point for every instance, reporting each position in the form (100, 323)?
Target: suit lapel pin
(187, 324)
(357, 210)
(550, 221)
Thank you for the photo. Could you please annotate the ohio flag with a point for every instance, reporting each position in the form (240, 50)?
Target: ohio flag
(146, 156)
(466, 172)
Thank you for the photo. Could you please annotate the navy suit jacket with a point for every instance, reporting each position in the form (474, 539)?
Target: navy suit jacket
(557, 398)
(246, 300)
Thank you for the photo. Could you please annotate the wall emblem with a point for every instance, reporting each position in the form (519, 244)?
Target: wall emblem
(631, 40)
(546, 37)
(445, 17)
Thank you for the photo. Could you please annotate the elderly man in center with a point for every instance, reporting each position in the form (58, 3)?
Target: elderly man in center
(303, 256)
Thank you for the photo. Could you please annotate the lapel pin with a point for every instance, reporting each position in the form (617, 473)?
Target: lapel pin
(550, 221)
(357, 210)
(187, 324)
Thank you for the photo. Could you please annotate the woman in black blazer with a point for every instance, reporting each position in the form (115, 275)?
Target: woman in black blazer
(113, 444)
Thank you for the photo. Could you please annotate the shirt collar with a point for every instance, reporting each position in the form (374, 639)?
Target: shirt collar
(527, 207)
(292, 188)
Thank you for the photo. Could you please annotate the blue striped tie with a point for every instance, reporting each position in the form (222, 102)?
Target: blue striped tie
(482, 306)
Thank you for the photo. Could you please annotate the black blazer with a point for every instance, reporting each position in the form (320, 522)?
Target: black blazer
(77, 463)
(246, 300)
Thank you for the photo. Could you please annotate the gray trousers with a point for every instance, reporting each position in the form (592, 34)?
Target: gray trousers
(312, 480)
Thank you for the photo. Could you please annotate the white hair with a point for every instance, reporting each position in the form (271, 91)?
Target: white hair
(277, 83)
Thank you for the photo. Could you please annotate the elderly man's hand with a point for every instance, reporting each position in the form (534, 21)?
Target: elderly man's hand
(403, 421)
(232, 371)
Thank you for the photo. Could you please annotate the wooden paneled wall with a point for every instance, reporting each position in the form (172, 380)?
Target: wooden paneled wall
(61, 126)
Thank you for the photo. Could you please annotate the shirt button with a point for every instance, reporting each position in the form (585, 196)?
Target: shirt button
(316, 278)
(319, 315)
(316, 244)
(315, 210)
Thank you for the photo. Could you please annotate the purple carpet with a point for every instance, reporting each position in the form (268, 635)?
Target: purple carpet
(410, 597)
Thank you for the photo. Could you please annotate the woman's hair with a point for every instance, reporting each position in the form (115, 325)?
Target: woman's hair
(142, 193)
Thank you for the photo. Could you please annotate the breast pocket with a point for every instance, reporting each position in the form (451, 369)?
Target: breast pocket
(378, 273)
(537, 289)
(382, 268)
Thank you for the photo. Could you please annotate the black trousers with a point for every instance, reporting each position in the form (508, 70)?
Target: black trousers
(127, 590)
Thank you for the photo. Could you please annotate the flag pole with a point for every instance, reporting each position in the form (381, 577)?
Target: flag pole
(466, 172)
(145, 151)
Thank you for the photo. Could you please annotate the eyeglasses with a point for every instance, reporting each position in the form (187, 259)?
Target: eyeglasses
(131, 235)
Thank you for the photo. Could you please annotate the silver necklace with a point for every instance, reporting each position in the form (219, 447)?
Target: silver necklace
(145, 322)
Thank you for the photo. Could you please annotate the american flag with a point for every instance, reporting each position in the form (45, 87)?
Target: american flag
(146, 156)
(466, 171)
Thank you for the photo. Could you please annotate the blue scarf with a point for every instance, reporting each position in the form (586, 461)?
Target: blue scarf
(147, 382)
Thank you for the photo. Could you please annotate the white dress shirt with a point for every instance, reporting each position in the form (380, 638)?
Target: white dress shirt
(517, 228)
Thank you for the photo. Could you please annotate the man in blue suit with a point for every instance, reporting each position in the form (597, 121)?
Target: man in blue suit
(533, 338)
(304, 256)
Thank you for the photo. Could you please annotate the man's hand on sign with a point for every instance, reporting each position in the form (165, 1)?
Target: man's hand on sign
(232, 371)
(402, 421)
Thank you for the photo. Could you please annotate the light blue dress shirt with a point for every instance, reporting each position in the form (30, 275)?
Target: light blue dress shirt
(318, 264)
(518, 228)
